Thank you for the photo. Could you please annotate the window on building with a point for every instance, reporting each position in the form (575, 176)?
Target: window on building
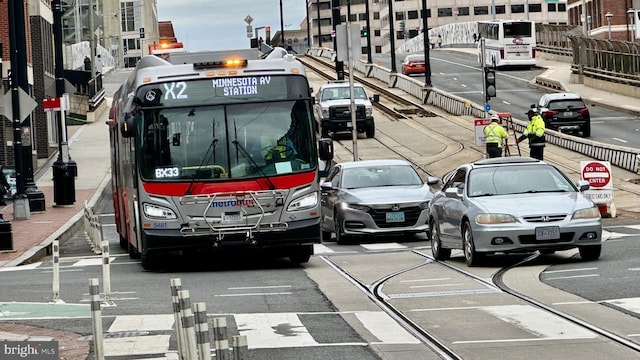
(378, 49)
(428, 13)
(480, 10)
(445, 12)
(128, 12)
(413, 14)
(325, 22)
(551, 7)
(353, 17)
(517, 9)
(376, 32)
(376, 15)
(400, 15)
(501, 9)
(362, 17)
(324, 5)
(463, 11)
(562, 7)
(535, 8)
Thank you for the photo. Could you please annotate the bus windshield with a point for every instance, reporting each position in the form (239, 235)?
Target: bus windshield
(517, 29)
(227, 141)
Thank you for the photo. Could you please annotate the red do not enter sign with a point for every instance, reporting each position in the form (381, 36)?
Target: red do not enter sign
(598, 174)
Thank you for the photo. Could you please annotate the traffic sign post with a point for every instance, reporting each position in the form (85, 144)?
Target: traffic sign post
(598, 174)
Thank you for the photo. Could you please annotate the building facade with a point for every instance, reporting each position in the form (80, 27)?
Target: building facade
(407, 20)
(614, 19)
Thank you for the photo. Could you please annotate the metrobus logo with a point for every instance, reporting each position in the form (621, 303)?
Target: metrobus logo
(233, 203)
(518, 41)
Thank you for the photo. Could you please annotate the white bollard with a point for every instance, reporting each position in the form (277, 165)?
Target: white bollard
(240, 347)
(202, 331)
(56, 271)
(188, 324)
(220, 338)
(106, 273)
(96, 316)
(176, 286)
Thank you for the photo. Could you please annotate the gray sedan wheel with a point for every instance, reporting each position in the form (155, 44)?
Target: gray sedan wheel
(471, 256)
(436, 244)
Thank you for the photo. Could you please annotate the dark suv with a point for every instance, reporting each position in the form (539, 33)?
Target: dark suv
(565, 112)
(332, 109)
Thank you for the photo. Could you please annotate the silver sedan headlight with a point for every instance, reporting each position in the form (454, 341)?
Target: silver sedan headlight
(158, 212)
(488, 219)
(590, 213)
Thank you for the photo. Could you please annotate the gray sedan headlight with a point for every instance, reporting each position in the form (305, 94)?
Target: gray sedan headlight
(488, 219)
(590, 213)
(358, 207)
(424, 205)
(158, 212)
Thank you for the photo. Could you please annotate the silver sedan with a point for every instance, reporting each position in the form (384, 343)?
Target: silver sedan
(374, 197)
(512, 204)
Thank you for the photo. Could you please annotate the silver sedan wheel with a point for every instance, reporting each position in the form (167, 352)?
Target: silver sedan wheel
(436, 244)
(471, 256)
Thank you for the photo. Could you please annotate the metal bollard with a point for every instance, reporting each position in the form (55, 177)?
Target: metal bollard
(56, 271)
(202, 331)
(176, 285)
(221, 338)
(240, 347)
(96, 316)
(188, 324)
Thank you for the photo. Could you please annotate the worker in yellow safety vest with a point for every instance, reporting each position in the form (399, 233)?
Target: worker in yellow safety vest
(495, 135)
(535, 133)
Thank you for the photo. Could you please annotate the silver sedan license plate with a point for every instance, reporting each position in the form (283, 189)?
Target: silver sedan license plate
(397, 216)
(232, 217)
(548, 233)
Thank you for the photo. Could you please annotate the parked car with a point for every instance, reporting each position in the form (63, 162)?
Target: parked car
(332, 109)
(413, 64)
(565, 112)
(374, 197)
(512, 204)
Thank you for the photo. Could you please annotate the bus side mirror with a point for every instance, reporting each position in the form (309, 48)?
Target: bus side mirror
(131, 116)
(325, 148)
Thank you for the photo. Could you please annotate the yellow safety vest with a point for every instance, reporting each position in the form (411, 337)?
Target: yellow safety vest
(494, 133)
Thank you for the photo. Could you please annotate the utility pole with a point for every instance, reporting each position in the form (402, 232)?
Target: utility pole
(392, 38)
(26, 190)
(425, 44)
(366, 10)
(335, 15)
(64, 169)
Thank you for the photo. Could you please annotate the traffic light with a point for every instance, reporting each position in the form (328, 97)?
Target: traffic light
(124, 50)
(489, 83)
(364, 32)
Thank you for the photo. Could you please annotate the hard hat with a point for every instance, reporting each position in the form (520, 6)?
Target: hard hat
(495, 117)
(530, 112)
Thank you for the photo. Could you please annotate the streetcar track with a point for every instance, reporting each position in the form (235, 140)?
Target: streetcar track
(375, 293)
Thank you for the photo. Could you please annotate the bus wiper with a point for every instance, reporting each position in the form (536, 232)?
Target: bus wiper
(252, 162)
(210, 149)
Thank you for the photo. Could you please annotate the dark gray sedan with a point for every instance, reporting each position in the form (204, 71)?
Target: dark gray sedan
(374, 197)
(512, 204)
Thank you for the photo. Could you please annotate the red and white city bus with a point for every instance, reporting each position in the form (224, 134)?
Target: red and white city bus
(508, 42)
(216, 155)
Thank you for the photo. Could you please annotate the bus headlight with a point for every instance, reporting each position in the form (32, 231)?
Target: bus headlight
(158, 212)
(305, 202)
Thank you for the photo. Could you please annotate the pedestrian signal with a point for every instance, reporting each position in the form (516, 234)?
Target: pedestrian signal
(364, 32)
(489, 83)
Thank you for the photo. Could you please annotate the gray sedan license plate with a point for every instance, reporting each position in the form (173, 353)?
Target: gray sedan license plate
(548, 233)
(397, 216)
(232, 217)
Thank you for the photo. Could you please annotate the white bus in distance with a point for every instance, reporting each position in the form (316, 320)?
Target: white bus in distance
(508, 42)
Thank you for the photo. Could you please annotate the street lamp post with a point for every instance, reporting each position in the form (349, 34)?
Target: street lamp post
(281, 25)
(609, 15)
(425, 44)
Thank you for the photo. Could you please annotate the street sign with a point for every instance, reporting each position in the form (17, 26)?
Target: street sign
(51, 104)
(27, 104)
(248, 19)
(597, 173)
(487, 107)
(479, 125)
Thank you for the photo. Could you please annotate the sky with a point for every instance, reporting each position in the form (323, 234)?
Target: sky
(219, 25)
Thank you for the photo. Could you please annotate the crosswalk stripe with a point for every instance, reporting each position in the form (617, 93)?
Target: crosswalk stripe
(383, 327)
(273, 330)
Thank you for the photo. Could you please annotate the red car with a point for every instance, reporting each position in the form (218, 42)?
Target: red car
(413, 64)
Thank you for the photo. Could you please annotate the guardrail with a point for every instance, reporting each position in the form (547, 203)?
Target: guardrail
(623, 157)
